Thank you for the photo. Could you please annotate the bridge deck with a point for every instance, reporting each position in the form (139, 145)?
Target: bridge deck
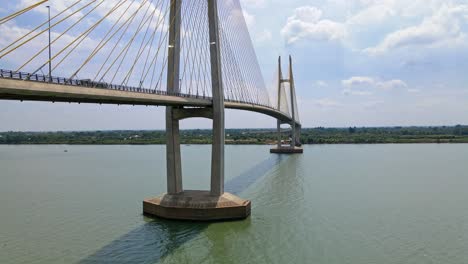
(20, 89)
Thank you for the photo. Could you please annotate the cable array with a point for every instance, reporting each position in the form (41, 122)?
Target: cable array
(284, 105)
(20, 12)
(195, 72)
(125, 44)
(242, 76)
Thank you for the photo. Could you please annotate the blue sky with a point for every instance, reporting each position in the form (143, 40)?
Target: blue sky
(357, 63)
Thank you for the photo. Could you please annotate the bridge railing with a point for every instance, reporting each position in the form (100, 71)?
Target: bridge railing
(24, 76)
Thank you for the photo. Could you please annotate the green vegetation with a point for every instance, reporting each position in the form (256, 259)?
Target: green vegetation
(385, 135)
(352, 135)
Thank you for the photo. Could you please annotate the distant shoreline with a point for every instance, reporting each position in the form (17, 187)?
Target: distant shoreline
(310, 136)
(228, 144)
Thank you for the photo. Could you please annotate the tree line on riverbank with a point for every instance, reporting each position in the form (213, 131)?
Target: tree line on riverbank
(320, 135)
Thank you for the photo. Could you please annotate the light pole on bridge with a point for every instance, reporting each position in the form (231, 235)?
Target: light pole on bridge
(50, 50)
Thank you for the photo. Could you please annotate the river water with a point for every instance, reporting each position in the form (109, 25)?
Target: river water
(339, 204)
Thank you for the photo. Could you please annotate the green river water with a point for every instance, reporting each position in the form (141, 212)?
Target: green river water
(356, 204)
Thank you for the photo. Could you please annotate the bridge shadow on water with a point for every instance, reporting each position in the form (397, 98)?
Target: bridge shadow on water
(157, 238)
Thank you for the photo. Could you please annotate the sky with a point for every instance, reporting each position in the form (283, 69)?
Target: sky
(356, 63)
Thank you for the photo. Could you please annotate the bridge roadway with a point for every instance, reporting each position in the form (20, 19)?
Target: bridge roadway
(19, 89)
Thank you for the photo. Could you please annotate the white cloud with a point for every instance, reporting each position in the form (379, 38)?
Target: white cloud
(264, 36)
(307, 14)
(327, 103)
(442, 23)
(358, 86)
(372, 104)
(356, 92)
(358, 80)
(392, 84)
(321, 83)
(253, 3)
(414, 90)
(374, 14)
(306, 23)
(386, 8)
(444, 27)
(362, 85)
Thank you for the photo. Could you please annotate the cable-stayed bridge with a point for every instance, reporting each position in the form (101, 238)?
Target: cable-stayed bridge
(194, 57)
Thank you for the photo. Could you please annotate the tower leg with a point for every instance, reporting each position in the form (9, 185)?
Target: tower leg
(174, 168)
(293, 135)
(293, 106)
(217, 158)
(298, 135)
(217, 154)
(279, 134)
(280, 77)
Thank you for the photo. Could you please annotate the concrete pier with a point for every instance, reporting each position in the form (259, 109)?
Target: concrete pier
(197, 206)
(287, 150)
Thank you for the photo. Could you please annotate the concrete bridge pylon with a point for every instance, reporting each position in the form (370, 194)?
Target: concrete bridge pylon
(295, 144)
(177, 203)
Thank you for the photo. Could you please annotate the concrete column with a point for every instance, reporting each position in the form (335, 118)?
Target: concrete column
(296, 128)
(293, 110)
(279, 133)
(217, 154)
(280, 79)
(298, 135)
(174, 168)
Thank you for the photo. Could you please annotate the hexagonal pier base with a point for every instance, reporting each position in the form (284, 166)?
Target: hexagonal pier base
(287, 150)
(197, 206)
